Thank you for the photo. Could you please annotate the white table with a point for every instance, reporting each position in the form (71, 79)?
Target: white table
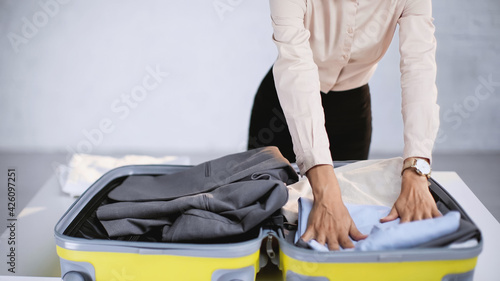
(37, 255)
(36, 249)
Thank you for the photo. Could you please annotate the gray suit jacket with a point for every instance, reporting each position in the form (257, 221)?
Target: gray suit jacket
(216, 199)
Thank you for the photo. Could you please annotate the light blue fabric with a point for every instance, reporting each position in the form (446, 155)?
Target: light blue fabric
(383, 236)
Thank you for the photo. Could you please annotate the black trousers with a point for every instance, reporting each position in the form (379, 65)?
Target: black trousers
(348, 122)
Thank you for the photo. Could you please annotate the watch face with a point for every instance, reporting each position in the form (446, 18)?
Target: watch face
(423, 166)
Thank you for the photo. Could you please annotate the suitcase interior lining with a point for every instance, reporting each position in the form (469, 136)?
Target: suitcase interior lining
(467, 230)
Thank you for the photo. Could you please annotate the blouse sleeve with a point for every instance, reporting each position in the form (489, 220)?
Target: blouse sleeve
(297, 83)
(417, 46)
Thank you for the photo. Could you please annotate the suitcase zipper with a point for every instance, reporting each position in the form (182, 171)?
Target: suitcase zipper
(269, 247)
(270, 251)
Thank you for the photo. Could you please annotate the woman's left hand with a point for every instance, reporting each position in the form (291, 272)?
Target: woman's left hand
(415, 201)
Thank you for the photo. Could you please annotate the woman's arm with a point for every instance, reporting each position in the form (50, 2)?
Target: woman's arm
(417, 46)
(297, 83)
(298, 87)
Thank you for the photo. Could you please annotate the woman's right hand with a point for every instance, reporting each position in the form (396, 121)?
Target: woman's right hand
(329, 221)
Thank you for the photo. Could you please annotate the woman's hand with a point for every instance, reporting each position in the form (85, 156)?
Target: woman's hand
(329, 221)
(415, 202)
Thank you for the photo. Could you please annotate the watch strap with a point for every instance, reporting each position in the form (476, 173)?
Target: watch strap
(408, 163)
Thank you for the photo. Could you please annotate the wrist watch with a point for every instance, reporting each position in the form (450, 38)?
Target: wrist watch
(422, 167)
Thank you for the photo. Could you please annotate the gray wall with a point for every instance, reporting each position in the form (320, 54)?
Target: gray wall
(179, 76)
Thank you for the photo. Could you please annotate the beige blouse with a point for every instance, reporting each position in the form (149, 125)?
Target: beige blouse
(328, 45)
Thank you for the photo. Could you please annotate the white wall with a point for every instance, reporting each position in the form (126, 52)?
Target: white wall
(468, 53)
(68, 75)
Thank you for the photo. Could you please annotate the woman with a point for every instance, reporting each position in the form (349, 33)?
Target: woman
(328, 50)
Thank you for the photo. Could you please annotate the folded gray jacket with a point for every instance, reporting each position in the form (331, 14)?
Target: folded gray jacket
(224, 197)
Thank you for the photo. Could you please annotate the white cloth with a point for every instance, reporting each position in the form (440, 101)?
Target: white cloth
(368, 182)
(83, 169)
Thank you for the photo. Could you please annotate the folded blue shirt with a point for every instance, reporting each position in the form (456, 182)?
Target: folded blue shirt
(383, 236)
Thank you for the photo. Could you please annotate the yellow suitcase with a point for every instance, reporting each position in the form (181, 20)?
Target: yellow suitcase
(429, 264)
(87, 259)
(84, 258)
